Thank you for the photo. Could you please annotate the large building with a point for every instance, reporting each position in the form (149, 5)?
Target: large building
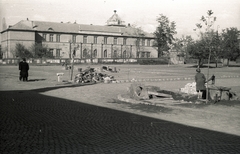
(114, 40)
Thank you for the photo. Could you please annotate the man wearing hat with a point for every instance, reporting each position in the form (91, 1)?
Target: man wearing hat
(200, 80)
(23, 67)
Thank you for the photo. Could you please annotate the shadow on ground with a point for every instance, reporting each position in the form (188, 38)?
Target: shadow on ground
(35, 123)
(33, 80)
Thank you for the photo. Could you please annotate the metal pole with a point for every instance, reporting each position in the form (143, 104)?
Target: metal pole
(71, 56)
(72, 67)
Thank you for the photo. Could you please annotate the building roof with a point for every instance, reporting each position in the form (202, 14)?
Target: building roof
(74, 28)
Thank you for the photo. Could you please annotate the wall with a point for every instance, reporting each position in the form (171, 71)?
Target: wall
(11, 38)
(27, 38)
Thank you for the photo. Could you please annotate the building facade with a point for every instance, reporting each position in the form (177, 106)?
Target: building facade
(114, 40)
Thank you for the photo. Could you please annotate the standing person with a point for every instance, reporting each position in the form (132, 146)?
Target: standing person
(23, 67)
(200, 80)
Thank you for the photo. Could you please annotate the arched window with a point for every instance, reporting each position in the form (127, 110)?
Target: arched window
(95, 53)
(124, 54)
(84, 53)
(105, 54)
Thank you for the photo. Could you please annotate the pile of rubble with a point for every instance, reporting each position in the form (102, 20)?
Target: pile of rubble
(190, 88)
(92, 75)
(138, 91)
(109, 69)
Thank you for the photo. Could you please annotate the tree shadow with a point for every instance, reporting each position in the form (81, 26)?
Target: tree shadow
(33, 80)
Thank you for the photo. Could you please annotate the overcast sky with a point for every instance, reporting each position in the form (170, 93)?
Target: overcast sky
(143, 13)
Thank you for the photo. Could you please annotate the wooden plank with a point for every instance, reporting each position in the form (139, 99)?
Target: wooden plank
(159, 94)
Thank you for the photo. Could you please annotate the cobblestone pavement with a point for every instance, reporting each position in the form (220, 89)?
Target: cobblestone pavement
(34, 123)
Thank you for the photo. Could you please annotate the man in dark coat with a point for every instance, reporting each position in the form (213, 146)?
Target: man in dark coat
(23, 67)
(200, 80)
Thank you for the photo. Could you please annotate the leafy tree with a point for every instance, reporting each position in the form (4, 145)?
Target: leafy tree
(230, 44)
(198, 51)
(213, 44)
(182, 44)
(164, 34)
(21, 51)
(40, 51)
(4, 51)
(216, 44)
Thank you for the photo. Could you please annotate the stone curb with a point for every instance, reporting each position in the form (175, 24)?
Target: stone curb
(166, 105)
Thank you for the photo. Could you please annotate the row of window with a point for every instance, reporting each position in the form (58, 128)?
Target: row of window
(116, 54)
(58, 51)
(95, 41)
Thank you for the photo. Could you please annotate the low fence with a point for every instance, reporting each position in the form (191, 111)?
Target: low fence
(142, 61)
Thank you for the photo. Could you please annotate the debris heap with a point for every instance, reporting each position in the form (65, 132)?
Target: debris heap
(139, 91)
(190, 88)
(92, 75)
(109, 69)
